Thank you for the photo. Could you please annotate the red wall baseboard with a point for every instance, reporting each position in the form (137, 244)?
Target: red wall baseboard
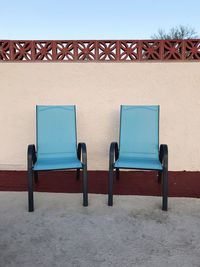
(181, 184)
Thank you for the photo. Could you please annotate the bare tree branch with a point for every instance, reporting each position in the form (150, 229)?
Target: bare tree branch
(178, 32)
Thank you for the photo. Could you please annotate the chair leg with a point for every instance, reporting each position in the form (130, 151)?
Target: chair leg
(77, 174)
(85, 187)
(165, 189)
(36, 177)
(110, 187)
(117, 173)
(30, 191)
(159, 176)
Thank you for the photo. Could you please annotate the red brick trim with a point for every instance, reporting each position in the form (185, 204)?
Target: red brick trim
(99, 50)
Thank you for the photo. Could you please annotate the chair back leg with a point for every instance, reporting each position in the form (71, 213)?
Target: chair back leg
(36, 178)
(77, 174)
(159, 177)
(117, 174)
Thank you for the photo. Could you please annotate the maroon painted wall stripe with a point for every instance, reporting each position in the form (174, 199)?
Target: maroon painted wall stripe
(181, 184)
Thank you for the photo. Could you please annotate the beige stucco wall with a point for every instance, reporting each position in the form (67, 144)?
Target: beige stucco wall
(98, 89)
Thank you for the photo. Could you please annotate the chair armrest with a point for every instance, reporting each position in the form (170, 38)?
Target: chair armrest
(82, 153)
(163, 155)
(31, 156)
(114, 153)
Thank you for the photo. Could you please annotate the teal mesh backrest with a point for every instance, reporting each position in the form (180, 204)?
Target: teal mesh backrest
(56, 131)
(139, 131)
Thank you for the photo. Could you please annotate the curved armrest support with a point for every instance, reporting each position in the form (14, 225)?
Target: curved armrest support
(82, 153)
(114, 153)
(31, 156)
(163, 155)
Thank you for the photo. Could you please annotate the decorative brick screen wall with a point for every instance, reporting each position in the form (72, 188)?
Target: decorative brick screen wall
(100, 50)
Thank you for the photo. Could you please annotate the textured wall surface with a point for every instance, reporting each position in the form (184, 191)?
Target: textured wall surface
(98, 90)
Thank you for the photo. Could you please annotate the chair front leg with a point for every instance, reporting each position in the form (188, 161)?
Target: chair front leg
(164, 161)
(30, 160)
(82, 149)
(30, 191)
(85, 186)
(165, 189)
(112, 155)
(110, 185)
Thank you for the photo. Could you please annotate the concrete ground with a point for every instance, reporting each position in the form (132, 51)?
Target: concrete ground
(134, 232)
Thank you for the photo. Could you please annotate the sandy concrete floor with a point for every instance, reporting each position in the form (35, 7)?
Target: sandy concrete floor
(134, 232)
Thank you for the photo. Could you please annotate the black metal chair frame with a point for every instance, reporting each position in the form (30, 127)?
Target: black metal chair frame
(32, 158)
(162, 175)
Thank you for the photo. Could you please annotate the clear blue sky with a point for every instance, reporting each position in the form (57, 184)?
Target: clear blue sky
(94, 19)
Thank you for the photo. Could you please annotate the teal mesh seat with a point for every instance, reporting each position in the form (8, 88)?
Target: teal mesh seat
(138, 163)
(56, 138)
(139, 138)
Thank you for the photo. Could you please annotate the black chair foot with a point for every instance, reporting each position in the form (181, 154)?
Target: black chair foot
(30, 209)
(110, 201)
(85, 203)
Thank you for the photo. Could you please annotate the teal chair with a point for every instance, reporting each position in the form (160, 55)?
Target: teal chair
(139, 147)
(56, 147)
